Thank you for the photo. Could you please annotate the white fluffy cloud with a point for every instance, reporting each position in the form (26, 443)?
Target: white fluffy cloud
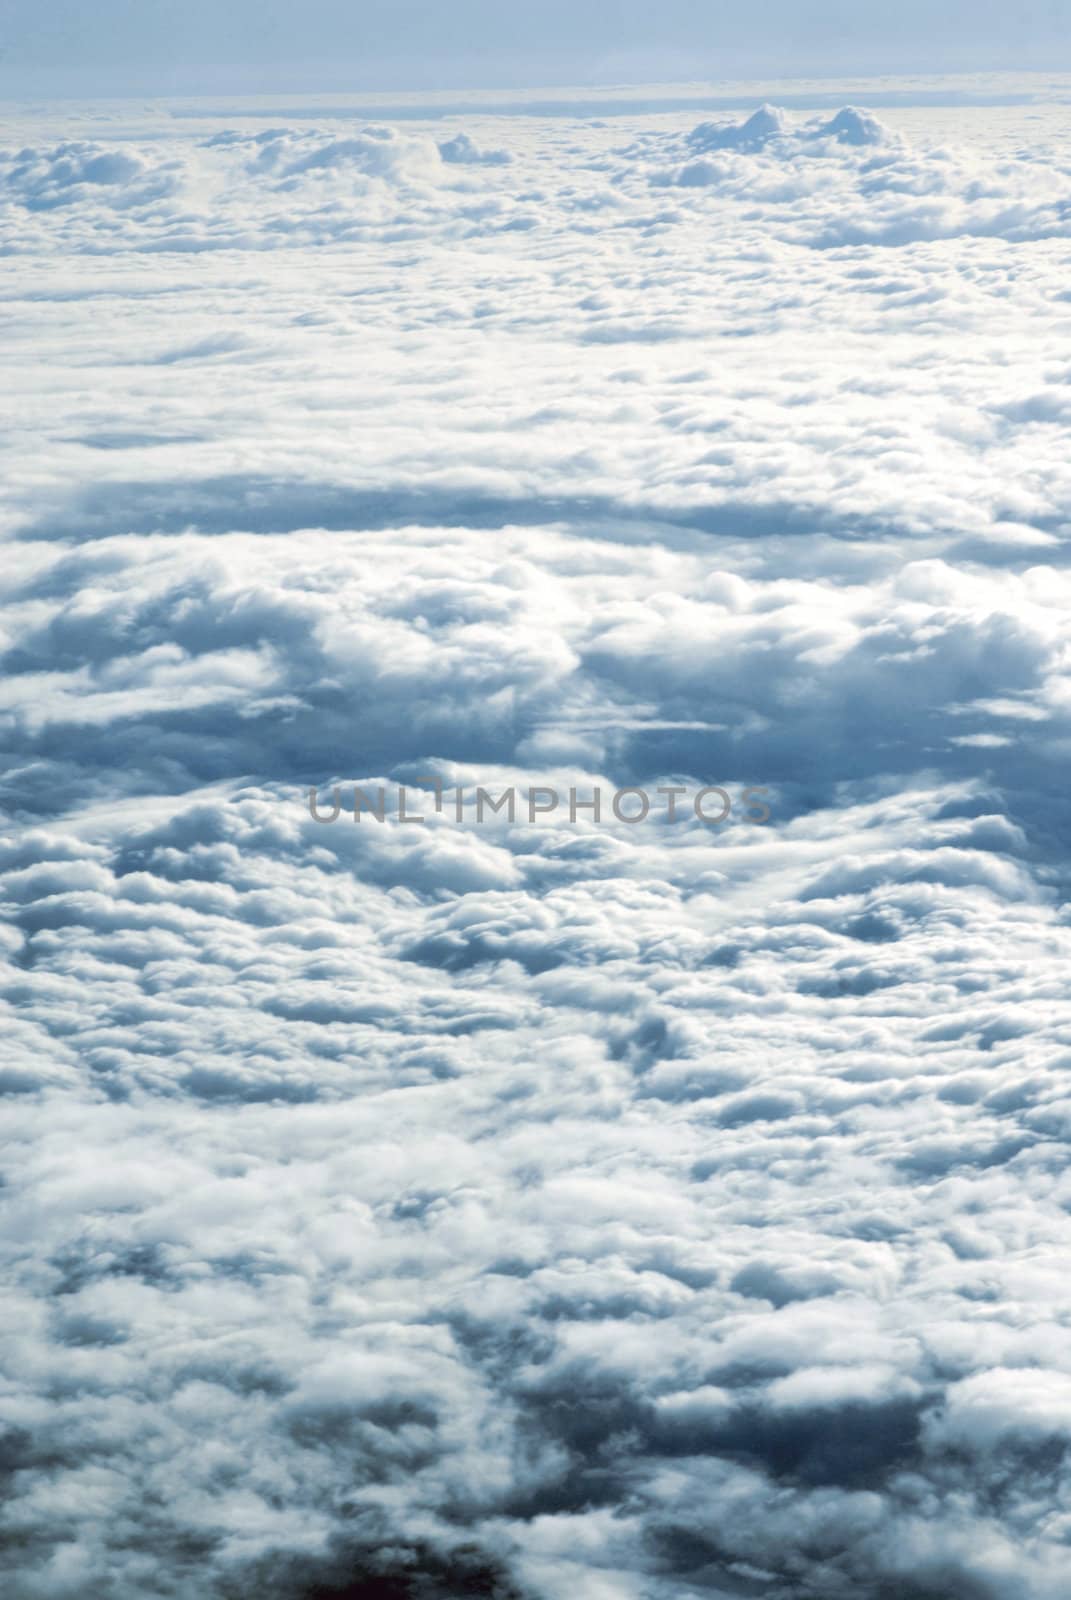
(528, 1208)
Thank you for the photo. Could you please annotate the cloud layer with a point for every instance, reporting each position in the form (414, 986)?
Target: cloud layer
(508, 1208)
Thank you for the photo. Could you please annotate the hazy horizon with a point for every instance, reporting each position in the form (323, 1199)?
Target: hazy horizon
(120, 48)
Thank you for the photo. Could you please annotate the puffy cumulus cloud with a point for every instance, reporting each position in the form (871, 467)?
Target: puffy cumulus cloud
(768, 122)
(180, 660)
(277, 188)
(82, 172)
(853, 126)
(518, 1206)
(821, 182)
(656, 1210)
(647, 397)
(461, 150)
(376, 152)
(850, 180)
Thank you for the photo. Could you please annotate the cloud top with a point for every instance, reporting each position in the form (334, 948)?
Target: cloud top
(510, 1205)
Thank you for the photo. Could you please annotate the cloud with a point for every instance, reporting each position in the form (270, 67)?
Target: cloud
(375, 151)
(856, 127)
(463, 151)
(768, 122)
(212, 192)
(83, 172)
(508, 1207)
(850, 180)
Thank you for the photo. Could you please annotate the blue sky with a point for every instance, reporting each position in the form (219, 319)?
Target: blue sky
(123, 46)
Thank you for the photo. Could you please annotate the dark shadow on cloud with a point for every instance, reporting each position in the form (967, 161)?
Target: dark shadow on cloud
(224, 1088)
(932, 1161)
(709, 1563)
(394, 1571)
(609, 1433)
(762, 1281)
(87, 1262)
(853, 1446)
(250, 503)
(459, 953)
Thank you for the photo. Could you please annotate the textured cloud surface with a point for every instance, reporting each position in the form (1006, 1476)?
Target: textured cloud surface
(509, 1205)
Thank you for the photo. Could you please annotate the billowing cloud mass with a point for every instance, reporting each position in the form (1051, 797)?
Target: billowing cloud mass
(506, 1204)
